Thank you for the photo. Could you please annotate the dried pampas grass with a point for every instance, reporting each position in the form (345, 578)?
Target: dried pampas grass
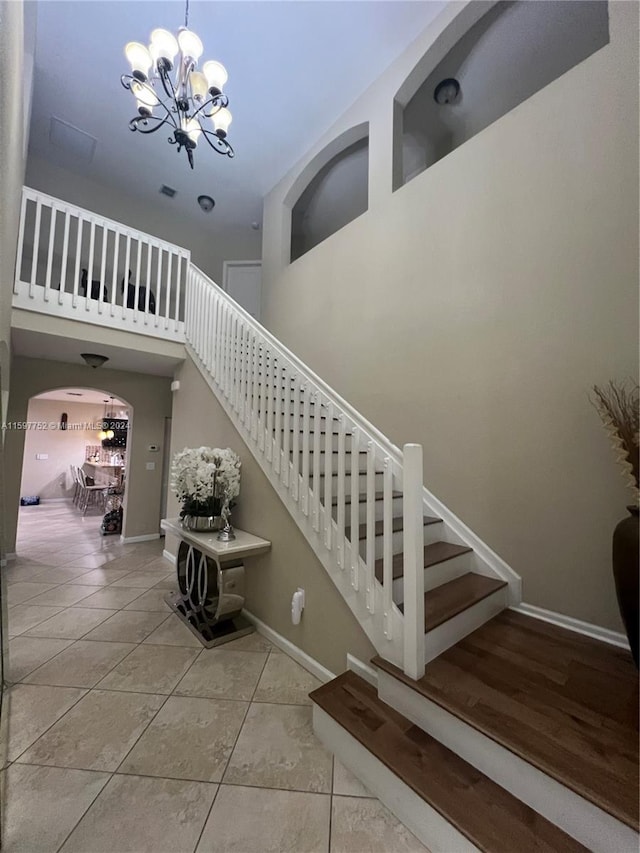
(617, 404)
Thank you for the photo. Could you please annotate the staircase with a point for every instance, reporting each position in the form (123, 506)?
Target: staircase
(521, 737)
(415, 577)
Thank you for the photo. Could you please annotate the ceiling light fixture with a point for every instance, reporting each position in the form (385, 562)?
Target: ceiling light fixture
(206, 203)
(185, 103)
(93, 359)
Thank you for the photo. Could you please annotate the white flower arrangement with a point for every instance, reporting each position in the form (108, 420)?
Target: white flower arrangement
(205, 479)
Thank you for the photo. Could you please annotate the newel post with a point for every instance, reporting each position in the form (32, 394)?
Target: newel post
(413, 551)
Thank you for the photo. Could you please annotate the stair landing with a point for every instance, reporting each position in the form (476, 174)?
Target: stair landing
(563, 702)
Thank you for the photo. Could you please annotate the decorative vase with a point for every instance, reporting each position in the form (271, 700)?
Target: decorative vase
(201, 523)
(625, 573)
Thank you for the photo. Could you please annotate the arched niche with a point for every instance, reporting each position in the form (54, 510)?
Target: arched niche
(514, 49)
(331, 191)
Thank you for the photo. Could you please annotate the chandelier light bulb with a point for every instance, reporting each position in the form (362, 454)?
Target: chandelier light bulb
(140, 59)
(216, 75)
(146, 98)
(199, 87)
(193, 130)
(222, 120)
(190, 44)
(163, 46)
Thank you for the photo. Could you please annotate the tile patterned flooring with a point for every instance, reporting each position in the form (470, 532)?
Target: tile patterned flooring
(122, 734)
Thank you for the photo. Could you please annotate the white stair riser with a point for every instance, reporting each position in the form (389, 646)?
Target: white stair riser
(453, 630)
(436, 833)
(436, 575)
(430, 535)
(360, 484)
(590, 825)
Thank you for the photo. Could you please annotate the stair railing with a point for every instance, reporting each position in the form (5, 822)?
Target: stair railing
(341, 479)
(133, 280)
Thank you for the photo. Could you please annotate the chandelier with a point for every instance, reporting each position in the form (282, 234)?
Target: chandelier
(175, 93)
(106, 431)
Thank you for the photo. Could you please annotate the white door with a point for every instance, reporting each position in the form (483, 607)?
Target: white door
(242, 280)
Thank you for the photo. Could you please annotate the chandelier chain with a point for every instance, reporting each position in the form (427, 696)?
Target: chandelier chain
(186, 13)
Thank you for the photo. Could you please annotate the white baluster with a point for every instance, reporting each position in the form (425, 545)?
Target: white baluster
(354, 532)
(294, 485)
(159, 287)
(127, 277)
(371, 526)
(114, 277)
(317, 422)
(65, 257)
(262, 394)
(167, 296)
(52, 234)
(255, 367)
(271, 391)
(147, 283)
(340, 539)
(36, 249)
(76, 274)
(136, 295)
(280, 386)
(103, 268)
(387, 549)
(176, 319)
(244, 343)
(304, 489)
(92, 242)
(328, 474)
(413, 562)
(286, 436)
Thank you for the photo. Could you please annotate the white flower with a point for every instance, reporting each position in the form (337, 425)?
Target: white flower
(199, 474)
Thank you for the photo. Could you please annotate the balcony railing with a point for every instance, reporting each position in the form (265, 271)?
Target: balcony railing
(75, 264)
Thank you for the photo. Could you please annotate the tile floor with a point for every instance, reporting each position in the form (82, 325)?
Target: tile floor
(123, 734)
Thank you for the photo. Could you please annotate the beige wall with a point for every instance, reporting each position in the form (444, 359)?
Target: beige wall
(150, 400)
(328, 630)
(209, 245)
(51, 478)
(473, 309)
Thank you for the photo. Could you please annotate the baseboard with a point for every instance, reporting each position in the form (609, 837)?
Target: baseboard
(55, 500)
(10, 555)
(366, 672)
(130, 540)
(301, 657)
(614, 638)
(169, 556)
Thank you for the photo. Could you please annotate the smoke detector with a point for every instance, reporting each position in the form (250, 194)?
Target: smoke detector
(206, 203)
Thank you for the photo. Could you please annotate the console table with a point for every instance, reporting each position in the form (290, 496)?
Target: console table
(211, 582)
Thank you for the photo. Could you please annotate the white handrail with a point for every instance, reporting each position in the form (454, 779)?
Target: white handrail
(281, 408)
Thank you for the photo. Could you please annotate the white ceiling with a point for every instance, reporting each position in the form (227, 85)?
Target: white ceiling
(293, 68)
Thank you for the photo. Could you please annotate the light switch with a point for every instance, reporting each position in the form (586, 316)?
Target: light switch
(42, 455)
(153, 448)
(151, 466)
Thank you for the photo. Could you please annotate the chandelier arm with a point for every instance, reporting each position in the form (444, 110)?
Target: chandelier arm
(217, 102)
(137, 121)
(165, 79)
(220, 145)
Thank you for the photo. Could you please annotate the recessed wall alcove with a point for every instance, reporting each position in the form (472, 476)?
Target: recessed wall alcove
(509, 54)
(332, 190)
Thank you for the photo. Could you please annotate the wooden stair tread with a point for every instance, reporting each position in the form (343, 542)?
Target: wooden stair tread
(565, 703)
(448, 600)
(490, 817)
(435, 553)
(397, 526)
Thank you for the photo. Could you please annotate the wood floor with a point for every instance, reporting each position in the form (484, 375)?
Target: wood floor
(564, 702)
(485, 813)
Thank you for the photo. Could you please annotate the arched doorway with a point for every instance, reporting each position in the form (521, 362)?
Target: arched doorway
(76, 452)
